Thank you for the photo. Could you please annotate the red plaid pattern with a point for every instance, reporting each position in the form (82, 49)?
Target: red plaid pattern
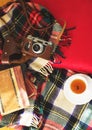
(37, 19)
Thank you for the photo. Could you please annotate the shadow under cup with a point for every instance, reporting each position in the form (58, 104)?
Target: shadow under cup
(78, 88)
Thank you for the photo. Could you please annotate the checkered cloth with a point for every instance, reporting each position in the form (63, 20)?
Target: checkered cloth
(57, 112)
(14, 23)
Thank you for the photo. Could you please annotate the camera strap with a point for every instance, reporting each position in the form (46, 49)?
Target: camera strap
(44, 29)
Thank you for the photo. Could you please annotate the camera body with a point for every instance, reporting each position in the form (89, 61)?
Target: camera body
(36, 47)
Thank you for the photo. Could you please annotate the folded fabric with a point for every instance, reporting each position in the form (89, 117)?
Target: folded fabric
(40, 24)
(49, 101)
(78, 56)
(41, 65)
(56, 111)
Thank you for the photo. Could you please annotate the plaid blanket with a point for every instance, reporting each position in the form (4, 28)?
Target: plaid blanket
(57, 112)
(15, 22)
(49, 102)
(38, 23)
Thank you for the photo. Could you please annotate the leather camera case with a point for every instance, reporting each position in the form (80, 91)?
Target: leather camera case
(35, 47)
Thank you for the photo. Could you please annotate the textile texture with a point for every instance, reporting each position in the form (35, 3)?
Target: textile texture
(57, 112)
(76, 13)
(14, 23)
(47, 100)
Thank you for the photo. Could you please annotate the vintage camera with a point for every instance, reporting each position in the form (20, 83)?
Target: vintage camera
(36, 47)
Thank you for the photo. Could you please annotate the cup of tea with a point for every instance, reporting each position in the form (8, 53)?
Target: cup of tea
(78, 89)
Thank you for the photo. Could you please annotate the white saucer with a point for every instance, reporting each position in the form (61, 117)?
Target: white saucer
(78, 99)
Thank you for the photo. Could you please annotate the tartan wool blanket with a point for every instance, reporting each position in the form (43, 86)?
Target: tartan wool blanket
(48, 100)
(57, 112)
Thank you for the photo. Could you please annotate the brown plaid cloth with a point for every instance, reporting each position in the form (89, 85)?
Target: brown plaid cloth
(14, 23)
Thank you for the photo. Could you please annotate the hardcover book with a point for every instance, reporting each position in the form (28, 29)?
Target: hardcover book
(13, 95)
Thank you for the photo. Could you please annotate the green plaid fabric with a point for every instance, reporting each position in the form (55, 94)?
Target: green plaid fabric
(58, 113)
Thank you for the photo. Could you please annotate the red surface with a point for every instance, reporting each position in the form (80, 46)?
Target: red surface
(76, 13)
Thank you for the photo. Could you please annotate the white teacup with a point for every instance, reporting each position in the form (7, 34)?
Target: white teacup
(78, 89)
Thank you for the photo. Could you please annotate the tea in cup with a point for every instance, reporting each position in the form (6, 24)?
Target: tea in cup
(78, 89)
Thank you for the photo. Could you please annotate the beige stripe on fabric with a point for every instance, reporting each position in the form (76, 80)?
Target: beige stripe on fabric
(6, 18)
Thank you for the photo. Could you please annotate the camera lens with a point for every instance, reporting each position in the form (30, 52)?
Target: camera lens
(37, 48)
